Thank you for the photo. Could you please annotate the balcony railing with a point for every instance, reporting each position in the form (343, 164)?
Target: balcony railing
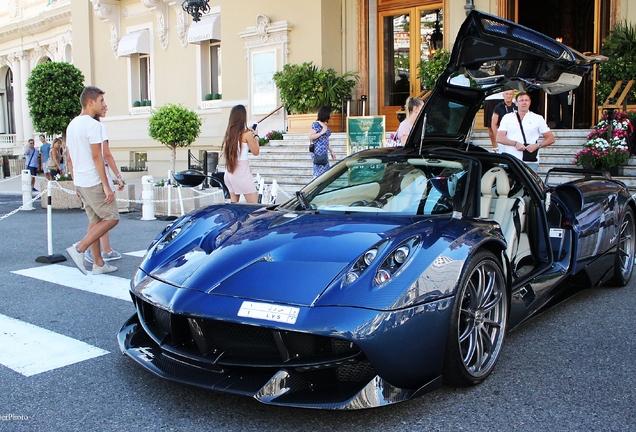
(7, 142)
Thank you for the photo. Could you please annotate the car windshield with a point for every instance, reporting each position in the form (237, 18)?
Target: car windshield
(384, 184)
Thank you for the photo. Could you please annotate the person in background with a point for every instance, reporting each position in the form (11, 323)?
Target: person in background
(108, 253)
(560, 110)
(84, 142)
(319, 135)
(238, 141)
(489, 107)
(32, 164)
(511, 135)
(45, 150)
(53, 161)
(413, 105)
(505, 107)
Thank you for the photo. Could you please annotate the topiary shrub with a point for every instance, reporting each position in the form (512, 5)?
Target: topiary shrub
(209, 97)
(136, 104)
(174, 126)
(53, 96)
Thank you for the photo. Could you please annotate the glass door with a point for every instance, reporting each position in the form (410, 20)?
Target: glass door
(406, 37)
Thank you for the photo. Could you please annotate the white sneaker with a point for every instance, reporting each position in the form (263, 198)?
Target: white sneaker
(106, 268)
(77, 257)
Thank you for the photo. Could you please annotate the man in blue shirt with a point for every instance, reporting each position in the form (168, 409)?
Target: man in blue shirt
(32, 164)
(45, 151)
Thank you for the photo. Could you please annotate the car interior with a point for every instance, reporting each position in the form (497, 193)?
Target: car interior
(431, 186)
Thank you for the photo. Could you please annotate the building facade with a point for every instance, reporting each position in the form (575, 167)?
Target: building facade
(147, 53)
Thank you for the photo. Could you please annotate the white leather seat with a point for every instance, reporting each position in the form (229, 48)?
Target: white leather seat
(412, 190)
(510, 213)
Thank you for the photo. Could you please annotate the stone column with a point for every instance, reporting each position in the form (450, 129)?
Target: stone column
(25, 72)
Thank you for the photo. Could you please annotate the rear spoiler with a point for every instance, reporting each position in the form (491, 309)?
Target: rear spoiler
(579, 172)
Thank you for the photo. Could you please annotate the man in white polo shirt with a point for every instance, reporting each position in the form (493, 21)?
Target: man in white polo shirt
(84, 144)
(521, 130)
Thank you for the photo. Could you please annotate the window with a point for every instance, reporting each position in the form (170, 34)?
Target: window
(138, 161)
(211, 81)
(263, 88)
(215, 68)
(137, 47)
(144, 77)
(207, 34)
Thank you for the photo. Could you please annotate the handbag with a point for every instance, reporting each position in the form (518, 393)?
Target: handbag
(321, 159)
(50, 162)
(527, 156)
(311, 147)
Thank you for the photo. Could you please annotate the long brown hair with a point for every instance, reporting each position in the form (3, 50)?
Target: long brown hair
(236, 125)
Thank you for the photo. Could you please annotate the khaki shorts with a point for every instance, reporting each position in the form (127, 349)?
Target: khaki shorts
(96, 209)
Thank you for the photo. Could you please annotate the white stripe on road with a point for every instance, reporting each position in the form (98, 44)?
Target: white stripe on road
(138, 254)
(30, 350)
(107, 285)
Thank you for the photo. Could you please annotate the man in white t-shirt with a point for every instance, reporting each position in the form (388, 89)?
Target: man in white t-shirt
(511, 138)
(84, 150)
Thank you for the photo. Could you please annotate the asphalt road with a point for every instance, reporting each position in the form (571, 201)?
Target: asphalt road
(571, 368)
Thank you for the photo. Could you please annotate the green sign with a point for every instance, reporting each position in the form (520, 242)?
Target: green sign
(365, 132)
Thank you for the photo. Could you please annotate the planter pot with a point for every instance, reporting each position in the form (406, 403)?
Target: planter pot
(301, 123)
(615, 170)
(128, 193)
(166, 193)
(60, 199)
(192, 199)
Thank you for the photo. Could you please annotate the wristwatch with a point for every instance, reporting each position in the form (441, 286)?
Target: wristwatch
(539, 144)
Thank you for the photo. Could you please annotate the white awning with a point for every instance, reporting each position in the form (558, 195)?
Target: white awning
(134, 43)
(209, 28)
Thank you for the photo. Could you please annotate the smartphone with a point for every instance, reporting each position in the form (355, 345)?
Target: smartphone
(254, 126)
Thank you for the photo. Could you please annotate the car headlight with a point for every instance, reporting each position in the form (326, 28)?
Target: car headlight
(396, 261)
(363, 263)
(171, 232)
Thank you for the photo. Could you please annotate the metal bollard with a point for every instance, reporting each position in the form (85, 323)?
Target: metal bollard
(147, 195)
(26, 191)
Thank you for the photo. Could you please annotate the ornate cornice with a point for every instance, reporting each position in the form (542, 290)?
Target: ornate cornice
(108, 11)
(160, 9)
(267, 33)
(32, 26)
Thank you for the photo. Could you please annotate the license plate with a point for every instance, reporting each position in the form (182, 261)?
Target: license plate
(269, 312)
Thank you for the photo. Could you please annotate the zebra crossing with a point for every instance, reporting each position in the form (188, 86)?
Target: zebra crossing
(30, 350)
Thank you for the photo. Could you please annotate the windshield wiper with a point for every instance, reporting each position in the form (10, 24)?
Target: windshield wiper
(302, 199)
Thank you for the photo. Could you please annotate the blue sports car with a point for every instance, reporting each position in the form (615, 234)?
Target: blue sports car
(396, 270)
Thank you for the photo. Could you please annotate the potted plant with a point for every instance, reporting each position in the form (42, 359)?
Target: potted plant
(606, 147)
(305, 88)
(620, 48)
(271, 135)
(174, 126)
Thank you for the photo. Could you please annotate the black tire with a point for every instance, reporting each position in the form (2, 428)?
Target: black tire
(478, 322)
(624, 261)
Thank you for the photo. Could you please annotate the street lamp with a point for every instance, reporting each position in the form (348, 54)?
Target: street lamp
(436, 38)
(196, 8)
